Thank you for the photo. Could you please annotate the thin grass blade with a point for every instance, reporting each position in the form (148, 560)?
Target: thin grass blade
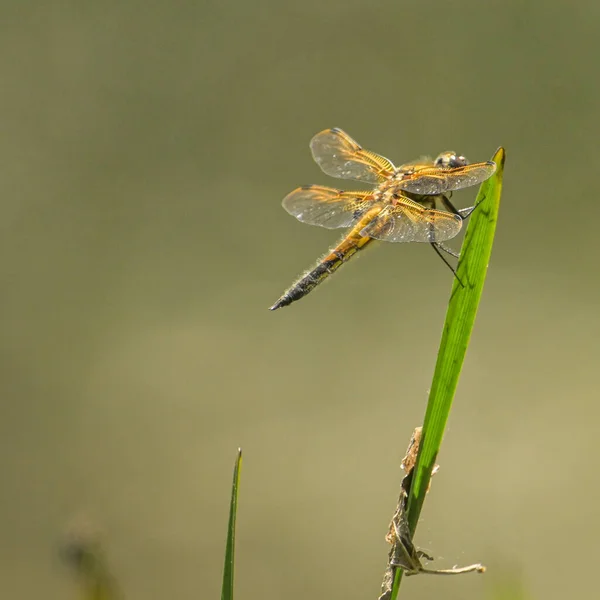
(228, 569)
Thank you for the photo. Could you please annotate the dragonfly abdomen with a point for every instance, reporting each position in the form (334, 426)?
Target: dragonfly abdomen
(330, 263)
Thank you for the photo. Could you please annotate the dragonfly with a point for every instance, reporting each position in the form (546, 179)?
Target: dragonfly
(401, 207)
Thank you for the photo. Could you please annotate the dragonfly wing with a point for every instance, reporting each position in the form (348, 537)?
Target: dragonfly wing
(327, 207)
(408, 221)
(437, 180)
(340, 156)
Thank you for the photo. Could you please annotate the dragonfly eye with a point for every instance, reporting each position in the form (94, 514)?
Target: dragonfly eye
(450, 160)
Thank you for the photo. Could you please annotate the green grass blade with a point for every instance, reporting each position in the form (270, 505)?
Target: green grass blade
(462, 309)
(228, 569)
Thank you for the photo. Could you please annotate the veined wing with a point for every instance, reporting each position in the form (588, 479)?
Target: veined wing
(408, 221)
(437, 180)
(327, 207)
(340, 156)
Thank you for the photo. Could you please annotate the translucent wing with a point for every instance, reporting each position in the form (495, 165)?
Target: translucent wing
(340, 156)
(408, 221)
(327, 207)
(437, 180)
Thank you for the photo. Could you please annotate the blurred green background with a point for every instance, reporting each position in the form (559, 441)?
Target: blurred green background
(144, 152)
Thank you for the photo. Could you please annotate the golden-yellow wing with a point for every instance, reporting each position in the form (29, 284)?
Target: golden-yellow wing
(327, 207)
(408, 221)
(437, 180)
(340, 156)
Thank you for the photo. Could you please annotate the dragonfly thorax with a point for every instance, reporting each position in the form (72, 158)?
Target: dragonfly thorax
(390, 191)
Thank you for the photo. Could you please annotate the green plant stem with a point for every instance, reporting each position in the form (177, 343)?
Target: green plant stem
(460, 317)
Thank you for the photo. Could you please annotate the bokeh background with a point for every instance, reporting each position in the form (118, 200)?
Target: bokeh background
(144, 152)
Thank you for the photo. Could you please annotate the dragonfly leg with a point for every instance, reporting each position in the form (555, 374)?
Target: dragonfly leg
(463, 213)
(449, 206)
(448, 250)
(436, 246)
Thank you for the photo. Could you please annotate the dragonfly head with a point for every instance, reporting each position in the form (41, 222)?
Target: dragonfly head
(450, 160)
